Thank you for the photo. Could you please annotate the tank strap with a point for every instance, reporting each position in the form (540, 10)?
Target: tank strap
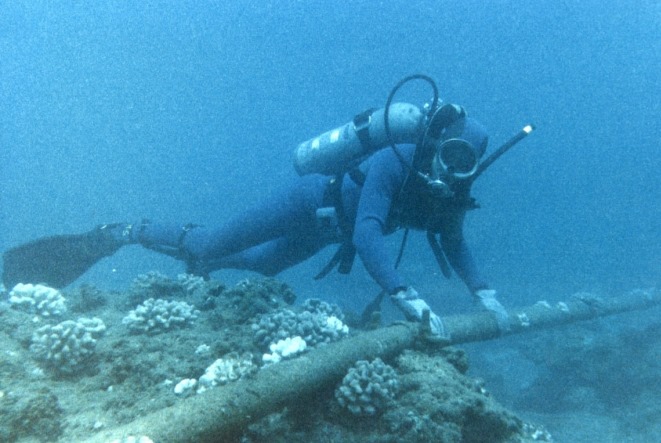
(361, 124)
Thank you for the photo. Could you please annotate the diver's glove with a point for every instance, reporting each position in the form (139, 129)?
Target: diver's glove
(487, 299)
(413, 307)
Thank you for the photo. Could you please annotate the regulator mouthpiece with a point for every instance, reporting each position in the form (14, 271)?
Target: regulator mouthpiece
(439, 188)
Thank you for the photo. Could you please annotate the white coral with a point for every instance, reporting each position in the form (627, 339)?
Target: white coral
(227, 369)
(39, 299)
(368, 388)
(317, 324)
(158, 315)
(191, 283)
(69, 345)
(285, 348)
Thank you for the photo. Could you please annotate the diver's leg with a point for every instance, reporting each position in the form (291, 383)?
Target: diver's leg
(286, 214)
(272, 257)
(282, 215)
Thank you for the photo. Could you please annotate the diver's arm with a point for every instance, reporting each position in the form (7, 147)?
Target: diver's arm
(459, 255)
(382, 184)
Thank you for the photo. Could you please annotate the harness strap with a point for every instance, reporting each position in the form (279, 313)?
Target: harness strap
(357, 176)
(401, 248)
(333, 198)
(346, 253)
(343, 260)
(439, 254)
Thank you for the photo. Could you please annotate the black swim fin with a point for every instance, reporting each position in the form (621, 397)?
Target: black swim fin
(58, 260)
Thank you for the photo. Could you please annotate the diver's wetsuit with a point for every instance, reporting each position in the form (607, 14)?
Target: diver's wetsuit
(284, 229)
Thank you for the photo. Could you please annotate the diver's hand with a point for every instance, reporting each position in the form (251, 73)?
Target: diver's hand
(413, 308)
(488, 301)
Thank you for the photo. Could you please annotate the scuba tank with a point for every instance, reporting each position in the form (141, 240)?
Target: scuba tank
(334, 151)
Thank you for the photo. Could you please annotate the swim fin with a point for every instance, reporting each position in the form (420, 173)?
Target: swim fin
(57, 260)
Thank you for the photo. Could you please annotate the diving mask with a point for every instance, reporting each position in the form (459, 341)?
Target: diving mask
(454, 158)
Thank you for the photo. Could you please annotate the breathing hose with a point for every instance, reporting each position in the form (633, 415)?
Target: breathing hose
(386, 114)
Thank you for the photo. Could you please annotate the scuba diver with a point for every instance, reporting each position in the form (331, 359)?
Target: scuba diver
(399, 167)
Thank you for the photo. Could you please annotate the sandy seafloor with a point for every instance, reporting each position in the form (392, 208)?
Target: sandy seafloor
(583, 383)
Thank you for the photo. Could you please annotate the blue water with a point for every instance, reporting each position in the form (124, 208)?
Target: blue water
(180, 111)
(126, 110)
(189, 111)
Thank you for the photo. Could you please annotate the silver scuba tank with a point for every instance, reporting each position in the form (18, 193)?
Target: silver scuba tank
(333, 151)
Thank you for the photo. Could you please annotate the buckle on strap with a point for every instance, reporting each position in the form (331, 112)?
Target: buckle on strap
(361, 124)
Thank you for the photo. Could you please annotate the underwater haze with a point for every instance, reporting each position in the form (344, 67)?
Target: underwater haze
(189, 111)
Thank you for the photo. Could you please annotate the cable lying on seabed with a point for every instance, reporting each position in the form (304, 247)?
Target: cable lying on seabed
(222, 414)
